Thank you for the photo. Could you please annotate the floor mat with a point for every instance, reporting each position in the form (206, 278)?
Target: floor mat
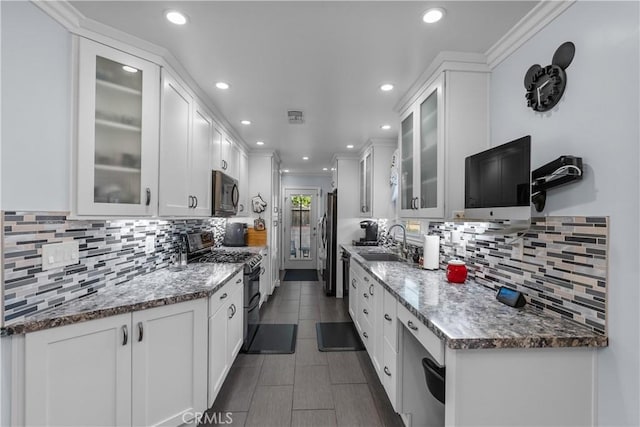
(300, 276)
(274, 339)
(338, 336)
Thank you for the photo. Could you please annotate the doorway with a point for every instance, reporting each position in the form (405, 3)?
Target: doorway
(300, 228)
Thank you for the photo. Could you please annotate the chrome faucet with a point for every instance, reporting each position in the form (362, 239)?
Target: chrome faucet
(404, 237)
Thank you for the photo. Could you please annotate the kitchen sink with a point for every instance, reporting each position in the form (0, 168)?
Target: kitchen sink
(381, 256)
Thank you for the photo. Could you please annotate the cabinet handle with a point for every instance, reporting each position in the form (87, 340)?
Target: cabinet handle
(353, 283)
(365, 335)
(366, 279)
(232, 307)
(224, 164)
(239, 280)
(241, 207)
(387, 371)
(223, 296)
(190, 202)
(148, 192)
(371, 289)
(196, 199)
(387, 317)
(140, 331)
(262, 270)
(366, 295)
(411, 325)
(125, 335)
(364, 310)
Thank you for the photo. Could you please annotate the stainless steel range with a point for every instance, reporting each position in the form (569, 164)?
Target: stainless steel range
(200, 249)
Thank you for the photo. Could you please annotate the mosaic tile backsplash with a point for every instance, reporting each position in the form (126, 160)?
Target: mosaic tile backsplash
(562, 268)
(111, 252)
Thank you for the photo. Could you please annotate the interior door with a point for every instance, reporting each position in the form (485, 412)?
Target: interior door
(300, 228)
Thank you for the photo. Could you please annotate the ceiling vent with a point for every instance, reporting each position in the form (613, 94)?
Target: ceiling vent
(295, 117)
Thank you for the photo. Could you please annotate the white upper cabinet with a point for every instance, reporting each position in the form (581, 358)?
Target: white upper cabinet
(174, 148)
(422, 154)
(201, 153)
(447, 122)
(243, 184)
(117, 138)
(375, 173)
(186, 152)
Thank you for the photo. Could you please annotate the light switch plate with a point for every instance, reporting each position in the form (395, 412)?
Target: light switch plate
(149, 245)
(58, 255)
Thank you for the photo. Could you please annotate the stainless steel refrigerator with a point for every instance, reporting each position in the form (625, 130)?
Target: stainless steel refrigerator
(330, 236)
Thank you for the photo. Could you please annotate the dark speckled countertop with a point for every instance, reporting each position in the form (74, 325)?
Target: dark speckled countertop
(165, 286)
(468, 316)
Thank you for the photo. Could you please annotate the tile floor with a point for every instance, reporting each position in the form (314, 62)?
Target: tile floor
(309, 387)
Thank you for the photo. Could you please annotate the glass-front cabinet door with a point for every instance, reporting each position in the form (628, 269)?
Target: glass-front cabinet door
(118, 138)
(366, 183)
(407, 199)
(422, 149)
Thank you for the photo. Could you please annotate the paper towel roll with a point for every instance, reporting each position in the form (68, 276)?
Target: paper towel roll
(431, 252)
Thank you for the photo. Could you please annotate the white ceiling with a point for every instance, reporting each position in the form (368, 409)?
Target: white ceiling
(327, 58)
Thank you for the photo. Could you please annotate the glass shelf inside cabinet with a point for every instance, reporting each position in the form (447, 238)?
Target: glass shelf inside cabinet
(118, 143)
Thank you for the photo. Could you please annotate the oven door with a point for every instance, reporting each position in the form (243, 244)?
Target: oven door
(251, 306)
(225, 195)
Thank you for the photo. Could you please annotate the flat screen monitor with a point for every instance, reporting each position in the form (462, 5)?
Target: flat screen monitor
(498, 182)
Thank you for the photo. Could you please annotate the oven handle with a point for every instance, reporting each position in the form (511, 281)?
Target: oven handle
(252, 304)
(254, 276)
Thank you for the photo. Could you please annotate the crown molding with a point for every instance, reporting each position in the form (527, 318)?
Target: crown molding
(534, 21)
(65, 14)
(444, 61)
(76, 23)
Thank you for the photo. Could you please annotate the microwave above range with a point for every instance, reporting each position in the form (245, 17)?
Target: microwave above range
(225, 197)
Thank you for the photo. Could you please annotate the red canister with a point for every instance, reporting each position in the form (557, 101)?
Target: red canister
(456, 271)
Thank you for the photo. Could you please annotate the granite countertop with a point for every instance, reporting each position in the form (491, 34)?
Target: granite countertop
(161, 287)
(468, 316)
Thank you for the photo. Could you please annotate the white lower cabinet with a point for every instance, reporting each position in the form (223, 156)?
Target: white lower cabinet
(143, 368)
(225, 332)
(374, 312)
(79, 375)
(169, 361)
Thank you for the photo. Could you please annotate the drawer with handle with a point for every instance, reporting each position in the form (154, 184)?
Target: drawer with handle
(223, 294)
(390, 320)
(429, 340)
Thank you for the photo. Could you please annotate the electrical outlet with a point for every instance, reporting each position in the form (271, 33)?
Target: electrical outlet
(60, 254)
(150, 245)
(458, 214)
(518, 249)
(456, 237)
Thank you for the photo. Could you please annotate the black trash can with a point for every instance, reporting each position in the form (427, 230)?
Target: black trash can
(435, 375)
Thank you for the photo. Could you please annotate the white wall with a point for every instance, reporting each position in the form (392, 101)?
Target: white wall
(596, 119)
(36, 109)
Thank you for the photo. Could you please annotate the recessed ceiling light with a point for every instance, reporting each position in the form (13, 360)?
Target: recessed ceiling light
(176, 17)
(386, 87)
(350, 146)
(129, 69)
(285, 170)
(333, 169)
(325, 169)
(245, 122)
(222, 85)
(433, 15)
(259, 143)
(385, 127)
(305, 158)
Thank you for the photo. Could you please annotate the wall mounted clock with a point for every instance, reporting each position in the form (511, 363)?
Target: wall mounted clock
(545, 85)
